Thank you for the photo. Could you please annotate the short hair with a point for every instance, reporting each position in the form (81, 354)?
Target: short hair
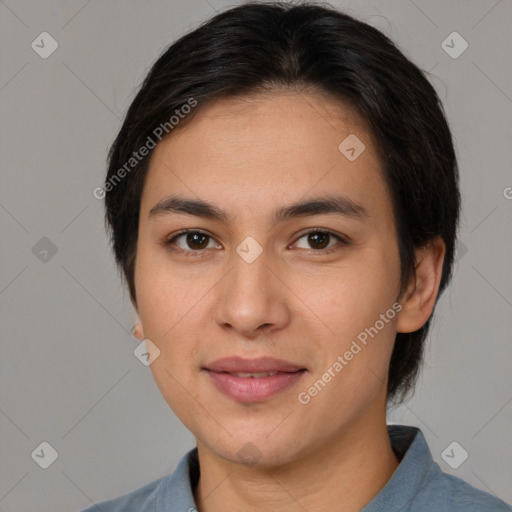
(263, 47)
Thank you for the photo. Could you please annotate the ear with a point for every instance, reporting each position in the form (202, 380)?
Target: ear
(137, 330)
(419, 300)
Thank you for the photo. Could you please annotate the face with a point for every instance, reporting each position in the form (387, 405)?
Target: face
(312, 287)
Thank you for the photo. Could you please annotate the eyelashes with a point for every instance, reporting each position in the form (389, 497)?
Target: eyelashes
(190, 232)
(203, 239)
(326, 233)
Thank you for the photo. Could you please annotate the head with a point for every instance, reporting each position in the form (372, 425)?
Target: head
(260, 108)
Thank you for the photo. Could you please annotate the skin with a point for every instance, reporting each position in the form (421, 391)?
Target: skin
(250, 157)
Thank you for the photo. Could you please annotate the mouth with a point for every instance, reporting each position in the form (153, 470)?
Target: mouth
(253, 366)
(253, 380)
(254, 375)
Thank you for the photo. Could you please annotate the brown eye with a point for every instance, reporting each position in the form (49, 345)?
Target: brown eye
(190, 242)
(196, 240)
(318, 240)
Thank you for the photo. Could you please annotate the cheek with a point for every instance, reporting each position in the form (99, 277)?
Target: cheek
(164, 296)
(353, 308)
(347, 299)
(171, 309)
(353, 369)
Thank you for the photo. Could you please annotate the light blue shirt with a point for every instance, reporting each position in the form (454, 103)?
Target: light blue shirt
(417, 485)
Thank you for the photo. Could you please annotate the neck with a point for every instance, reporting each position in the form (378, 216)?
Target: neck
(346, 472)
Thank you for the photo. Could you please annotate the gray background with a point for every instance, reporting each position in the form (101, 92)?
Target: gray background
(68, 373)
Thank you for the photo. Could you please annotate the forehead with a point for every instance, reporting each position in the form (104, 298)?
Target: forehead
(264, 150)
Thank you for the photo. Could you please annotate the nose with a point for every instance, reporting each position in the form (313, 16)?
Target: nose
(252, 298)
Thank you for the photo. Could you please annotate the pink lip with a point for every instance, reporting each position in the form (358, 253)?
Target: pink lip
(253, 389)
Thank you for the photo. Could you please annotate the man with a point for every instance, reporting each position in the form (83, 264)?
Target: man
(283, 202)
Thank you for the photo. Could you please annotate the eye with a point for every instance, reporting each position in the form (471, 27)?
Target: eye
(192, 241)
(319, 240)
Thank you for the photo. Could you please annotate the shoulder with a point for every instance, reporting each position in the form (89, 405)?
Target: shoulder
(142, 499)
(420, 485)
(448, 493)
(173, 490)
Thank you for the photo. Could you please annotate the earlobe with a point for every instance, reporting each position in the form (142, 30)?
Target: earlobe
(420, 298)
(137, 331)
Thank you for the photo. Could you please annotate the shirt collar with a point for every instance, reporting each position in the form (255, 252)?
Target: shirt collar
(416, 468)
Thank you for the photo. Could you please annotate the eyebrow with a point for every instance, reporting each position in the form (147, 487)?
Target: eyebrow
(339, 205)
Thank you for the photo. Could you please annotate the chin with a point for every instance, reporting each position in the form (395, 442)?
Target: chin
(262, 451)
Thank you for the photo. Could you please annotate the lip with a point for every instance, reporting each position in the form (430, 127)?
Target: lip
(260, 364)
(253, 389)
